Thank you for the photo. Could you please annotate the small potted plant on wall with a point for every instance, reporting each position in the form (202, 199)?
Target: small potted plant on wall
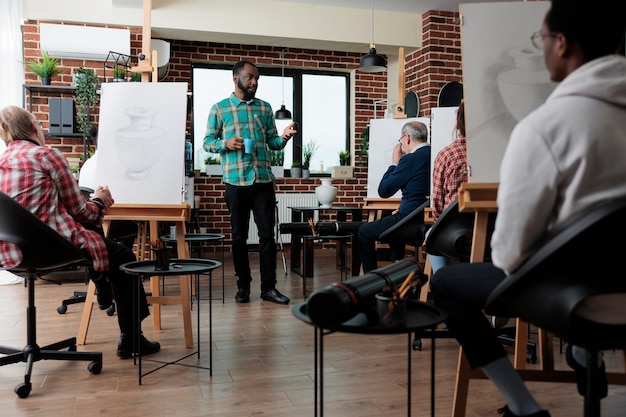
(135, 77)
(277, 159)
(213, 164)
(46, 68)
(344, 158)
(86, 86)
(119, 73)
(296, 169)
(307, 155)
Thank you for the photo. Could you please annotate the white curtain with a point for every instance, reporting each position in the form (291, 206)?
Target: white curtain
(11, 67)
(11, 76)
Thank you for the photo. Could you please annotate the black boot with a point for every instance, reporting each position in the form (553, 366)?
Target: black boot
(126, 350)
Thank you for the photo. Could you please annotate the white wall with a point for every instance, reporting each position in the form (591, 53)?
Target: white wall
(261, 22)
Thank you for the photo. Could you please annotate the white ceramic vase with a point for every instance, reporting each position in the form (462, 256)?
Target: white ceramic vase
(326, 192)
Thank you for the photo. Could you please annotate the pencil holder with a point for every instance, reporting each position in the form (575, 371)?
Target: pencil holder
(160, 257)
(391, 310)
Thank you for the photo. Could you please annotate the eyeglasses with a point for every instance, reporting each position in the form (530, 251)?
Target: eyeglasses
(537, 38)
(401, 137)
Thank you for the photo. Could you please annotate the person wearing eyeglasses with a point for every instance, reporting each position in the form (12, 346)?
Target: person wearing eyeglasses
(562, 158)
(40, 179)
(408, 172)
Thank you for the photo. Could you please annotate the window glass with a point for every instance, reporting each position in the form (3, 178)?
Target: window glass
(324, 119)
(322, 102)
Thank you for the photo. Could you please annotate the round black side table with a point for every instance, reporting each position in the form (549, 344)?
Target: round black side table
(421, 318)
(177, 267)
(195, 241)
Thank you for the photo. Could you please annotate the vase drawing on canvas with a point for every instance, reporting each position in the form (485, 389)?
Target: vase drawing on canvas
(139, 144)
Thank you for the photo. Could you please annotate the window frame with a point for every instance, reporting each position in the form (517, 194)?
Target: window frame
(296, 75)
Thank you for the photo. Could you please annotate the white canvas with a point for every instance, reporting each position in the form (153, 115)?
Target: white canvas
(384, 135)
(442, 132)
(141, 142)
(504, 77)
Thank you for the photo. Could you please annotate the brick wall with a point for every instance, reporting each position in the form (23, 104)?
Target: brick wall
(427, 70)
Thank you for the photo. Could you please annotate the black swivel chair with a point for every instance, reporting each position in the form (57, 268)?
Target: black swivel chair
(410, 230)
(573, 288)
(43, 251)
(451, 236)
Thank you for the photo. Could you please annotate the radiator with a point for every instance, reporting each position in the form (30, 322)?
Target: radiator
(284, 213)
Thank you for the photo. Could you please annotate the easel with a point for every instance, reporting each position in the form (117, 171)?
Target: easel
(480, 198)
(149, 215)
(399, 112)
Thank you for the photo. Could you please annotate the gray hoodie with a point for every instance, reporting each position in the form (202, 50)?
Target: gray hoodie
(564, 157)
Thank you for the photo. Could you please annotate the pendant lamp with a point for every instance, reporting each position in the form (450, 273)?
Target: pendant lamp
(372, 62)
(283, 113)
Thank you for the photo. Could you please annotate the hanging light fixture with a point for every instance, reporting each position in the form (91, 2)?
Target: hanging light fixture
(283, 113)
(372, 62)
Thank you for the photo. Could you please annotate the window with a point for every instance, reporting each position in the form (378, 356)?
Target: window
(317, 100)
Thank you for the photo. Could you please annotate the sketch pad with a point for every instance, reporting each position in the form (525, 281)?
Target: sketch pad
(141, 142)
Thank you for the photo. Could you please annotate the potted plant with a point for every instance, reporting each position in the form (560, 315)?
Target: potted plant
(296, 169)
(213, 164)
(365, 144)
(46, 68)
(119, 73)
(75, 170)
(277, 159)
(344, 158)
(86, 86)
(307, 154)
(135, 77)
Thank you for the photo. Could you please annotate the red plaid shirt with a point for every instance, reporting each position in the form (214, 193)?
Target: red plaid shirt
(449, 172)
(40, 179)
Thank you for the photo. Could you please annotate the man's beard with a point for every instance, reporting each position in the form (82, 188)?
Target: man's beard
(247, 95)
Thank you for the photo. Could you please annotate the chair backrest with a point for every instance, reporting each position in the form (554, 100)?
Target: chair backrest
(410, 229)
(583, 260)
(451, 234)
(42, 248)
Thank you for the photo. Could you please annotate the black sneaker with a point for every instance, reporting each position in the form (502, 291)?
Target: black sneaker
(125, 348)
(581, 375)
(508, 413)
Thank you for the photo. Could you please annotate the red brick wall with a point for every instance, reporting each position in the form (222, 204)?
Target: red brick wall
(438, 62)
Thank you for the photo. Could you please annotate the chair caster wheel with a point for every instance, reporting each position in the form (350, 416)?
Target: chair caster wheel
(62, 309)
(23, 390)
(417, 344)
(95, 368)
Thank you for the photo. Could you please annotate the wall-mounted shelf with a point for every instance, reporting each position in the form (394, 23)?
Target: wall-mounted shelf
(115, 60)
(52, 90)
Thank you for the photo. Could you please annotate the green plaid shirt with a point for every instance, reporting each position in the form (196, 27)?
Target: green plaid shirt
(252, 119)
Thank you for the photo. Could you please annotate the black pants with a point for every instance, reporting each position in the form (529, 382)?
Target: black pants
(260, 199)
(462, 291)
(122, 285)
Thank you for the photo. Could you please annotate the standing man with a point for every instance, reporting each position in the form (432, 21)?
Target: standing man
(562, 159)
(247, 176)
(409, 172)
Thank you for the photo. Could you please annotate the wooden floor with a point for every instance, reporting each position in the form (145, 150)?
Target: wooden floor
(262, 363)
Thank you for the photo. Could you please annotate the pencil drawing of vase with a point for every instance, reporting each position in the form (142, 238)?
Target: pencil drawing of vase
(525, 87)
(139, 145)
